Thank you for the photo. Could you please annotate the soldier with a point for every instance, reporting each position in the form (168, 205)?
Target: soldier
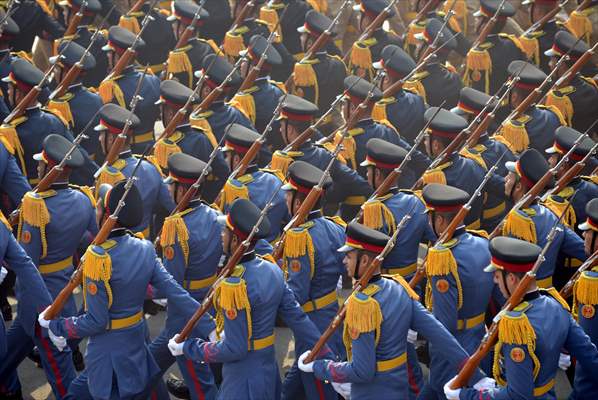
(78, 105)
(531, 336)
(364, 52)
(404, 109)
(182, 62)
(255, 184)
(116, 274)
(533, 224)
(457, 290)
(536, 127)
(154, 192)
(219, 115)
(120, 89)
(9, 31)
(27, 132)
(486, 152)
(349, 187)
(32, 296)
(376, 324)
(187, 139)
(318, 79)
(538, 41)
(578, 101)
(12, 182)
(585, 302)
(248, 302)
(215, 27)
(486, 65)
(34, 19)
(83, 35)
(191, 249)
(313, 268)
(259, 101)
(438, 81)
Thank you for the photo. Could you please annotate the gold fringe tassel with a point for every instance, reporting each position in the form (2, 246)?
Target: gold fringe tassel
(109, 90)
(558, 207)
(580, 25)
(379, 112)
(562, 103)
(556, 295)
(233, 296)
(585, 291)
(174, 227)
(434, 176)
(376, 215)
(270, 16)
(164, 149)
(298, 243)
(233, 44)
(401, 281)
(13, 143)
(179, 62)
(281, 162)
(531, 47)
(64, 109)
(417, 87)
(109, 177)
(516, 134)
(478, 62)
(362, 316)
(233, 190)
(129, 23)
(520, 226)
(361, 56)
(35, 213)
(304, 75)
(97, 266)
(204, 125)
(245, 103)
(348, 150)
(441, 262)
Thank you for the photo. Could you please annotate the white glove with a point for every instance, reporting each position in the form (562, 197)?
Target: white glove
(451, 394)
(309, 367)
(3, 273)
(411, 336)
(59, 341)
(213, 336)
(485, 384)
(43, 322)
(344, 389)
(176, 349)
(161, 302)
(564, 361)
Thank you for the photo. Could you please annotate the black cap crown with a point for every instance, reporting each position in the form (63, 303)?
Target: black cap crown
(530, 167)
(24, 74)
(383, 155)
(175, 93)
(219, 69)
(92, 7)
(185, 168)
(120, 39)
(185, 10)
(71, 53)
(131, 214)
(359, 88)
(591, 222)
(445, 36)
(315, 23)
(375, 7)
(445, 124)
(444, 198)
(360, 237)
(512, 255)
(530, 76)
(565, 42)
(303, 177)
(472, 101)
(114, 117)
(258, 45)
(564, 140)
(488, 8)
(55, 149)
(242, 216)
(296, 108)
(11, 29)
(396, 61)
(239, 138)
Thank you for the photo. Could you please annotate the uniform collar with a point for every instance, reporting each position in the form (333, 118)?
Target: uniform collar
(314, 214)
(251, 169)
(375, 278)
(59, 185)
(125, 154)
(76, 87)
(194, 203)
(365, 122)
(250, 255)
(459, 231)
(128, 69)
(262, 80)
(117, 232)
(218, 104)
(531, 296)
(307, 145)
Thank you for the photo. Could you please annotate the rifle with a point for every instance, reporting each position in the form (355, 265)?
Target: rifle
(568, 76)
(245, 11)
(7, 13)
(233, 260)
(190, 29)
(491, 336)
(567, 290)
(456, 222)
(547, 17)
(136, 7)
(434, 43)
(75, 20)
(75, 70)
(488, 26)
(77, 277)
(429, 6)
(361, 284)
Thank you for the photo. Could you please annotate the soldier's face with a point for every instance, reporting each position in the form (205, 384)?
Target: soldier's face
(510, 181)
(350, 262)
(511, 282)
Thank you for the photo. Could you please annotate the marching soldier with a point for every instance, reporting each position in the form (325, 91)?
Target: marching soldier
(183, 62)
(191, 249)
(187, 139)
(537, 42)
(215, 27)
(78, 105)
(259, 101)
(248, 302)
(349, 188)
(120, 89)
(486, 65)
(364, 52)
(154, 193)
(313, 268)
(83, 36)
(578, 101)
(34, 19)
(219, 114)
(405, 109)
(27, 132)
(12, 182)
(255, 184)
(537, 125)
(531, 336)
(486, 152)
(376, 325)
(585, 302)
(116, 274)
(318, 79)
(533, 224)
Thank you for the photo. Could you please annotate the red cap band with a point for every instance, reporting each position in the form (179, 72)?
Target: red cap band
(511, 267)
(364, 246)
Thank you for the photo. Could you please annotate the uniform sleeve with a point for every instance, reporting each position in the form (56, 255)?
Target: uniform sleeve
(572, 245)
(12, 180)
(579, 345)
(445, 295)
(347, 182)
(176, 266)
(299, 277)
(361, 368)
(31, 242)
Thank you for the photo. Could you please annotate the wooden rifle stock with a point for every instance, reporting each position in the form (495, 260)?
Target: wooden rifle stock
(75, 20)
(428, 7)
(136, 7)
(488, 26)
(566, 79)
(573, 171)
(245, 11)
(539, 24)
(567, 290)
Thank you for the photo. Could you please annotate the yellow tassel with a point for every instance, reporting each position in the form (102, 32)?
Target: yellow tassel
(556, 295)
(563, 103)
(531, 47)
(110, 175)
(64, 109)
(9, 132)
(109, 90)
(580, 25)
(586, 290)
(5, 221)
(361, 56)
(270, 16)
(376, 215)
(233, 44)
(401, 281)
(245, 103)
(558, 207)
(178, 62)
(129, 23)
(304, 75)
(434, 176)
(417, 87)
(363, 315)
(174, 227)
(233, 190)
(478, 62)
(87, 191)
(204, 125)
(320, 6)
(461, 13)
(475, 156)
(348, 150)
(164, 149)
(233, 296)
(298, 243)
(97, 266)
(379, 112)
(516, 330)
(413, 30)
(441, 262)
(520, 226)
(516, 134)
(281, 162)
(35, 213)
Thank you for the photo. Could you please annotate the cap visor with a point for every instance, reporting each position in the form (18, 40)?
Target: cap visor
(490, 268)
(550, 53)
(366, 163)
(302, 29)
(356, 7)
(159, 101)
(38, 157)
(221, 220)
(527, 2)
(420, 36)
(584, 226)
(171, 18)
(377, 65)
(168, 180)
(477, 13)
(99, 128)
(8, 79)
(345, 249)
(107, 47)
(510, 165)
(551, 150)
(242, 53)
(53, 59)
(287, 187)
(198, 74)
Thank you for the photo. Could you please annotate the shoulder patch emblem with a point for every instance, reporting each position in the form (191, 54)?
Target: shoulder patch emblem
(588, 311)
(169, 253)
(442, 285)
(92, 288)
(231, 313)
(26, 237)
(295, 265)
(517, 354)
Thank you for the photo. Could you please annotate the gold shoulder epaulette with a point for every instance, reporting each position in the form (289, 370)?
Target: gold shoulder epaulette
(401, 281)
(363, 315)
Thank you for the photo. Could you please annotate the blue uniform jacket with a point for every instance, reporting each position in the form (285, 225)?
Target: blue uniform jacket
(259, 102)
(250, 369)
(12, 181)
(218, 117)
(405, 111)
(377, 368)
(530, 376)
(114, 352)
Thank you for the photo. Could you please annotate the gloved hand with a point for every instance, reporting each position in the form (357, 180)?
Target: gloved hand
(59, 341)
(344, 389)
(411, 336)
(214, 336)
(564, 361)
(43, 322)
(485, 384)
(176, 349)
(309, 367)
(3, 273)
(451, 394)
